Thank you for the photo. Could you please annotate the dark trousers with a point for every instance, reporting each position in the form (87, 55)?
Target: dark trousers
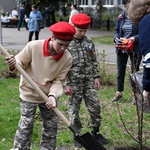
(20, 22)
(31, 34)
(47, 21)
(122, 58)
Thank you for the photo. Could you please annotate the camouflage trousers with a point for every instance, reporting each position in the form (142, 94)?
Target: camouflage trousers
(23, 135)
(91, 99)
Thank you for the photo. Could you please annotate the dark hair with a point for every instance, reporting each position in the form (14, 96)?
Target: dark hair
(137, 9)
(34, 6)
(124, 2)
(75, 6)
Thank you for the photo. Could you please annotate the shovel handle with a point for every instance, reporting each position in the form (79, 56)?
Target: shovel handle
(45, 98)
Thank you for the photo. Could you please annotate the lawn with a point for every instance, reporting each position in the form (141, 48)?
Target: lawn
(108, 40)
(111, 127)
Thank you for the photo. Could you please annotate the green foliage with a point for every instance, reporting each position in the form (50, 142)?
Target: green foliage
(111, 13)
(89, 11)
(105, 78)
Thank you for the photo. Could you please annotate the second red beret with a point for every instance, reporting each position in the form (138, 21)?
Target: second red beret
(81, 20)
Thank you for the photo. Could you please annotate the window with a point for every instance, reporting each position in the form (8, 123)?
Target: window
(108, 2)
(83, 2)
(112, 2)
(119, 2)
(86, 2)
(93, 2)
(79, 2)
(104, 2)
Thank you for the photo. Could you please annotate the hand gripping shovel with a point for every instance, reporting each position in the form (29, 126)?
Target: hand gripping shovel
(86, 140)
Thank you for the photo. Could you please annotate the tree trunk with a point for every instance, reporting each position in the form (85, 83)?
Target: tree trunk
(99, 6)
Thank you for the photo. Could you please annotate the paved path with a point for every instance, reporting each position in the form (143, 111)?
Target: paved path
(13, 39)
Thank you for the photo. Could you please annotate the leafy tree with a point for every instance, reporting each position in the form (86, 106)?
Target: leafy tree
(99, 8)
(45, 2)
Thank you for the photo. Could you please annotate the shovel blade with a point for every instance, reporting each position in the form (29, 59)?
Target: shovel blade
(89, 142)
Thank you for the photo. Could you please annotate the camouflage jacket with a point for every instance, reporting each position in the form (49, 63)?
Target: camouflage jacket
(84, 61)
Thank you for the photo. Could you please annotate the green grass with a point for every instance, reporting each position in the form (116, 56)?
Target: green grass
(9, 111)
(108, 40)
(111, 127)
(3, 65)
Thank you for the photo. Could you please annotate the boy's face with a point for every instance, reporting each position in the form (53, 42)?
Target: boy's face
(80, 33)
(60, 45)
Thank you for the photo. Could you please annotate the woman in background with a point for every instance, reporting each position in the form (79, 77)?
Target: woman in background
(138, 11)
(33, 24)
(73, 12)
(125, 29)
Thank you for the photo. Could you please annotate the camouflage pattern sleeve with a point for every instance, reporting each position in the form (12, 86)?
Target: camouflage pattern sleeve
(84, 61)
(94, 60)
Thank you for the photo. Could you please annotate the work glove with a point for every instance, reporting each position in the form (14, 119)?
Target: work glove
(118, 41)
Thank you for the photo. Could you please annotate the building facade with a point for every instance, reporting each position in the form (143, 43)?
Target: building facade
(91, 3)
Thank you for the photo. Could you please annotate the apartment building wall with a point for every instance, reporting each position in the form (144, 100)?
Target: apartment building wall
(91, 3)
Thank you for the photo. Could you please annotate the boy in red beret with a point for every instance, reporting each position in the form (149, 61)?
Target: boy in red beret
(83, 78)
(47, 63)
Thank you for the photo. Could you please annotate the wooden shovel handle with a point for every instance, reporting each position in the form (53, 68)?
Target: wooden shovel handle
(35, 87)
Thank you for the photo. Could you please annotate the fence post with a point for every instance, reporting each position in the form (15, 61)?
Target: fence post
(108, 24)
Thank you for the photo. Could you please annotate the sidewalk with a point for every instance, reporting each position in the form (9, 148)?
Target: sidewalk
(16, 40)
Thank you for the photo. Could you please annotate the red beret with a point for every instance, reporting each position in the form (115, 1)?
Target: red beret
(81, 20)
(63, 31)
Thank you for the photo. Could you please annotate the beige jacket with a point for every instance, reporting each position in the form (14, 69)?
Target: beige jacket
(45, 71)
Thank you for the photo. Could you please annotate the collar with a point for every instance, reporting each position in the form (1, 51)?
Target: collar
(46, 53)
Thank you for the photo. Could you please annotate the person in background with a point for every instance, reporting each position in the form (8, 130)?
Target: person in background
(33, 23)
(22, 18)
(54, 60)
(139, 13)
(60, 14)
(83, 78)
(47, 14)
(81, 10)
(125, 29)
(28, 10)
(73, 12)
(14, 13)
(53, 17)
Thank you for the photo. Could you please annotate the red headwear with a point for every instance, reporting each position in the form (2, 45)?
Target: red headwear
(63, 31)
(81, 20)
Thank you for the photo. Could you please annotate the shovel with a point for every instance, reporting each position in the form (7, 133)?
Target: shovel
(86, 140)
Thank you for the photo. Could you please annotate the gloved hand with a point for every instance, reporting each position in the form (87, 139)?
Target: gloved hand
(118, 41)
(51, 102)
